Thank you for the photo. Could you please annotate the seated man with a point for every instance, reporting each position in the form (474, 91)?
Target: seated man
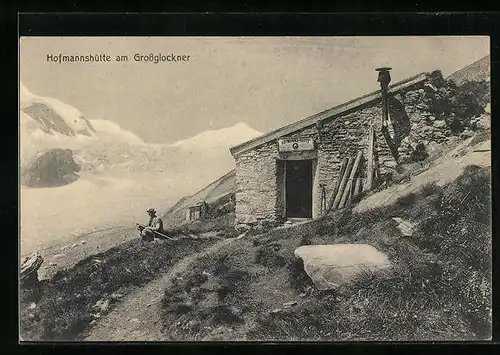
(155, 224)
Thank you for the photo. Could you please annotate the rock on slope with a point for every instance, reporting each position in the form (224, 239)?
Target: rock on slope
(55, 167)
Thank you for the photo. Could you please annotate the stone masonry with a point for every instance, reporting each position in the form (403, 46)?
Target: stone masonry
(258, 196)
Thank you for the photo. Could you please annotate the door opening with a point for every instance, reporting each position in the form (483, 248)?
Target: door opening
(298, 188)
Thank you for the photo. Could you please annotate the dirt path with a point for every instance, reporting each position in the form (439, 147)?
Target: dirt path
(138, 316)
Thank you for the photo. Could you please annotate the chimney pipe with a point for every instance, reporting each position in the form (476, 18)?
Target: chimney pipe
(384, 78)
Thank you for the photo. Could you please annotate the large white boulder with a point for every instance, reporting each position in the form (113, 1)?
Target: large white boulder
(332, 265)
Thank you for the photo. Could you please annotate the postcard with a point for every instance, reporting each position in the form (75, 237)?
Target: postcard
(255, 188)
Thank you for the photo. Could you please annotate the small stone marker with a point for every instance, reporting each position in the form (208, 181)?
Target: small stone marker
(406, 228)
(332, 265)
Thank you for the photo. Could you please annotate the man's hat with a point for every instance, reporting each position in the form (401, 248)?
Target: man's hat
(151, 210)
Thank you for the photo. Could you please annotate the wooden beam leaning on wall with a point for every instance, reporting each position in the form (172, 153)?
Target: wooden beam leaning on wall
(335, 191)
(357, 185)
(370, 160)
(343, 183)
(350, 182)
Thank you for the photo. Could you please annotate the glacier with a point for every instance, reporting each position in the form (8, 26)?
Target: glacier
(121, 175)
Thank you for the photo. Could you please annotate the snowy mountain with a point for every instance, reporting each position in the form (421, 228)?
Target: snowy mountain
(103, 146)
(120, 175)
(53, 116)
(225, 137)
(107, 130)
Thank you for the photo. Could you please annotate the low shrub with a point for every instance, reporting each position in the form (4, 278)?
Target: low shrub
(268, 255)
(406, 201)
(419, 153)
(299, 280)
(223, 315)
(430, 189)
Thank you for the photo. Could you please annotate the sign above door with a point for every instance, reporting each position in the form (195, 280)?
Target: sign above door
(295, 144)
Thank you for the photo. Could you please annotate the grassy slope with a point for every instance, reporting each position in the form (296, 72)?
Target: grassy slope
(64, 306)
(440, 286)
(477, 71)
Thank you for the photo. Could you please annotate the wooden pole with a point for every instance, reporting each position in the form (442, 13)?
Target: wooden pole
(360, 185)
(370, 158)
(376, 167)
(322, 187)
(324, 199)
(354, 187)
(141, 227)
(355, 191)
(343, 167)
(284, 190)
(351, 178)
(343, 183)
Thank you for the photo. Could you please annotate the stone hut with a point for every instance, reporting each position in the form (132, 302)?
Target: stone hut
(196, 212)
(284, 174)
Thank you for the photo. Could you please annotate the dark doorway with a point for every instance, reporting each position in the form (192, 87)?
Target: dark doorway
(298, 188)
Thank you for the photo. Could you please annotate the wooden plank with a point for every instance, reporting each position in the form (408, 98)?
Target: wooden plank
(323, 200)
(161, 235)
(369, 159)
(343, 183)
(285, 164)
(343, 167)
(354, 187)
(348, 187)
(360, 185)
(158, 234)
(355, 190)
(376, 162)
(360, 182)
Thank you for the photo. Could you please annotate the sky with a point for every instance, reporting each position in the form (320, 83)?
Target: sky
(266, 82)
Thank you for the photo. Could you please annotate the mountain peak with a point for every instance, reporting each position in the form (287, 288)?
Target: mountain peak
(224, 137)
(53, 115)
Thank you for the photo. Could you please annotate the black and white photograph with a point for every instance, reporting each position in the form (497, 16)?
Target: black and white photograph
(273, 188)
